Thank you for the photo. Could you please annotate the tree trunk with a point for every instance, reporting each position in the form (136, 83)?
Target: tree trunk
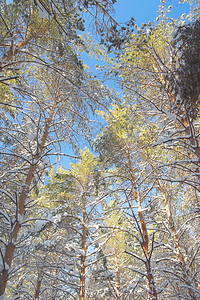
(171, 224)
(176, 240)
(38, 285)
(10, 248)
(118, 282)
(144, 235)
(83, 248)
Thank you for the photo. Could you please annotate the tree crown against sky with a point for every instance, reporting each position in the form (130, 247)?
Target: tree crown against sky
(121, 223)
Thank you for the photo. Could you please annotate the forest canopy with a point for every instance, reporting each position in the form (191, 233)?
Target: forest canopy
(99, 169)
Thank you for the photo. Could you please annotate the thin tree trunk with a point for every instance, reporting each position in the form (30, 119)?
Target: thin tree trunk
(55, 281)
(10, 248)
(40, 277)
(171, 224)
(176, 240)
(144, 234)
(118, 281)
(15, 49)
(83, 248)
(39, 284)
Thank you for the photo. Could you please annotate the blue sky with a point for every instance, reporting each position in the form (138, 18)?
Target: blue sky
(145, 10)
(142, 11)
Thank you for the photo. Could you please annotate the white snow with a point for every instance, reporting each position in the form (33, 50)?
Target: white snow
(95, 226)
(75, 272)
(42, 12)
(39, 224)
(160, 140)
(57, 218)
(81, 251)
(30, 136)
(48, 243)
(172, 117)
(20, 218)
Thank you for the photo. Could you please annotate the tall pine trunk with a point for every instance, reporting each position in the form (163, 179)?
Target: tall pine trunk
(10, 247)
(83, 253)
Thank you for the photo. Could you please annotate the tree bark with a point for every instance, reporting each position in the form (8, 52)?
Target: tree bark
(10, 248)
(118, 281)
(144, 235)
(176, 240)
(83, 248)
